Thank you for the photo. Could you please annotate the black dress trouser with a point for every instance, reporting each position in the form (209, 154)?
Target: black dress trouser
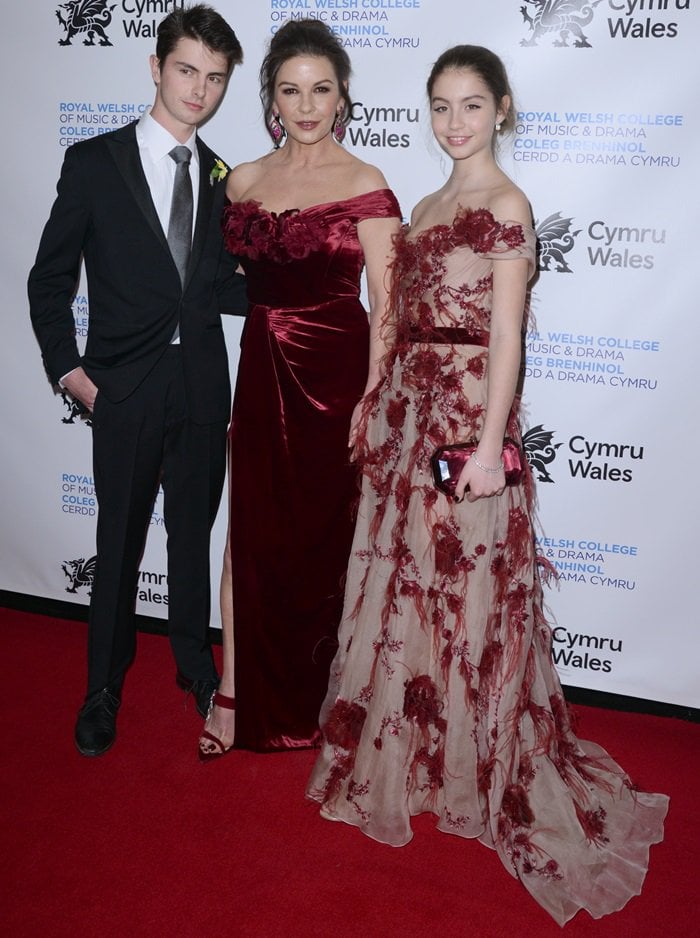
(139, 443)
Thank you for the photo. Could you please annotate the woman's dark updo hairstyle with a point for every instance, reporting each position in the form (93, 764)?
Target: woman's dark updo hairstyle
(304, 37)
(487, 66)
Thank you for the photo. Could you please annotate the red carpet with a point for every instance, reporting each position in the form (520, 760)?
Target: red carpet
(145, 841)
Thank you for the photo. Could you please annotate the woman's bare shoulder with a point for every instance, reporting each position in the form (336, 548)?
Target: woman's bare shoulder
(245, 176)
(364, 177)
(423, 209)
(509, 203)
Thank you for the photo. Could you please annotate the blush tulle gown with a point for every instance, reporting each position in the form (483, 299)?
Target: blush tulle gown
(443, 696)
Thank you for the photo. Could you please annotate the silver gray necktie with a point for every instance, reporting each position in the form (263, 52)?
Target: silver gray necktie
(180, 223)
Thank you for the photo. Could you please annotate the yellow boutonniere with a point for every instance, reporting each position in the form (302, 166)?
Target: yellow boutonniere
(219, 172)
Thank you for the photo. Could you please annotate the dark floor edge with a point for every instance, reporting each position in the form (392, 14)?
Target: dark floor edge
(59, 609)
(599, 698)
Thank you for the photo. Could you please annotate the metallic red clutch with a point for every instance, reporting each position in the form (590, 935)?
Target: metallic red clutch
(447, 463)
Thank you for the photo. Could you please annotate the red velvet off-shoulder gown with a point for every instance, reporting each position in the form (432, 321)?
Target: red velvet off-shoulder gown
(302, 369)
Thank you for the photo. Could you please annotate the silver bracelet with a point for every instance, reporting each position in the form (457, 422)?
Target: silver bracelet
(487, 468)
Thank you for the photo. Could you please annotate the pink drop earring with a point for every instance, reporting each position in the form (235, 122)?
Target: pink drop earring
(277, 130)
(339, 129)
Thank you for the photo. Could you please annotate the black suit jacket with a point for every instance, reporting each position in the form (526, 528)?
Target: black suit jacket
(104, 213)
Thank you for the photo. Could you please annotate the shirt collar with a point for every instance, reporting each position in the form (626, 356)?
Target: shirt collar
(160, 141)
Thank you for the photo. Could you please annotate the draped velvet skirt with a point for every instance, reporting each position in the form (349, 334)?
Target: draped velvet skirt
(293, 489)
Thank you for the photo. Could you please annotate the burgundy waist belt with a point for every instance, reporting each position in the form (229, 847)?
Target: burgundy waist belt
(452, 335)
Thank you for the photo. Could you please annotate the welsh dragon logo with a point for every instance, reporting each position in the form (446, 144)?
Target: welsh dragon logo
(561, 17)
(540, 451)
(554, 239)
(80, 573)
(76, 410)
(91, 17)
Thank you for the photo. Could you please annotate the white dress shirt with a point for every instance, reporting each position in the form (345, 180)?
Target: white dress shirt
(155, 144)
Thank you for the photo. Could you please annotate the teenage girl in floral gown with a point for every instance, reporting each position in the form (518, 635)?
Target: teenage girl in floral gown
(304, 219)
(443, 696)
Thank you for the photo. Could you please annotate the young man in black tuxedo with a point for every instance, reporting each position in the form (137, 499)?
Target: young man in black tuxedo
(142, 206)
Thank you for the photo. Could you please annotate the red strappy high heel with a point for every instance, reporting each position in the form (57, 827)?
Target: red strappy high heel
(218, 749)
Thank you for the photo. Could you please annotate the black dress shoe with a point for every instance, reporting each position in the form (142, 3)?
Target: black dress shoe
(96, 727)
(202, 691)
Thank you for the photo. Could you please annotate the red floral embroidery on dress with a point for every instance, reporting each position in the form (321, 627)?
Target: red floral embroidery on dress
(455, 823)
(396, 413)
(550, 870)
(449, 555)
(512, 235)
(478, 228)
(433, 764)
(402, 494)
(386, 648)
(516, 807)
(484, 774)
(392, 723)
(344, 725)
(421, 703)
(252, 231)
(490, 659)
(358, 790)
(475, 227)
(340, 770)
(477, 366)
(423, 371)
(593, 824)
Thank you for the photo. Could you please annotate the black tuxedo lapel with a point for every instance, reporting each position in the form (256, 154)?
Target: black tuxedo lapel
(125, 152)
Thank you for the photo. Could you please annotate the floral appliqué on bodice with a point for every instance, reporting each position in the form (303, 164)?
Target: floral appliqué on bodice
(444, 276)
(253, 231)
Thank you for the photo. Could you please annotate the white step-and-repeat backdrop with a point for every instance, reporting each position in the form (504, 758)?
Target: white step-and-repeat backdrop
(606, 147)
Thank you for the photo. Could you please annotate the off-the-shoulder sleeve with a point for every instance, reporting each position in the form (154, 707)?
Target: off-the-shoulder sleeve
(380, 203)
(497, 240)
(513, 242)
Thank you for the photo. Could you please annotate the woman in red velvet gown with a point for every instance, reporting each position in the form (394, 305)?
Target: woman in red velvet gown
(304, 219)
(443, 696)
